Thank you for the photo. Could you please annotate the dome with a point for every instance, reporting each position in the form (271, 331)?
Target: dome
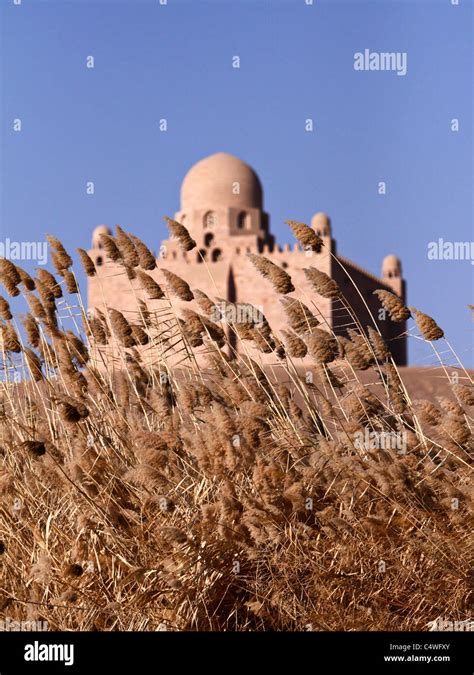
(221, 180)
(321, 224)
(391, 266)
(100, 229)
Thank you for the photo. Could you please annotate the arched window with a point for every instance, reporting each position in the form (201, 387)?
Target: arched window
(210, 220)
(99, 261)
(201, 256)
(216, 254)
(208, 238)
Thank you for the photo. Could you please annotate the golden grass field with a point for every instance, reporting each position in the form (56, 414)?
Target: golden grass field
(145, 489)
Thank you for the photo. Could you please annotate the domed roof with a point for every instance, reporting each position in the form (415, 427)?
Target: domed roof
(321, 222)
(390, 262)
(391, 266)
(221, 180)
(100, 229)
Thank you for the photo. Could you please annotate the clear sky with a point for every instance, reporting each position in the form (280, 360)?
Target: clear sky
(174, 61)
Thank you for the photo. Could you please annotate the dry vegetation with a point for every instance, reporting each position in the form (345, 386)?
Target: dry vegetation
(137, 496)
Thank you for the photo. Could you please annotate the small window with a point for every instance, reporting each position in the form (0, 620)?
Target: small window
(210, 220)
(216, 254)
(201, 256)
(237, 250)
(284, 265)
(241, 219)
(208, 239)
(174, 255)
(100, 245)
(99, 261)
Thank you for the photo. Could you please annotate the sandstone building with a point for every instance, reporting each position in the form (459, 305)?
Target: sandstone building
(222, 208)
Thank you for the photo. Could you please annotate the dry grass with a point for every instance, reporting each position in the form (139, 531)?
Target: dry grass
(221, 497)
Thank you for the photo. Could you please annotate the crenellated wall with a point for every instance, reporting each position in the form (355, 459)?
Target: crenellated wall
(231, 276)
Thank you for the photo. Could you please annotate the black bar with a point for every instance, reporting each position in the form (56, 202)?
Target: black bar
(311, 652)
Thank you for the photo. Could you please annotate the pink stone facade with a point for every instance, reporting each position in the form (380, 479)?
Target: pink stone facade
(222, 208)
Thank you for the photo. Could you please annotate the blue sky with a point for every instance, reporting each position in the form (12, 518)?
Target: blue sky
(174, 61)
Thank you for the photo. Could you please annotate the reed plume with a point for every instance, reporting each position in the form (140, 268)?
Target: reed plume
(36, 448)
(464, 394)
(295, 346)
(9, 338)
(8, 269)
(61, 258)
(396, 393)
(178, 286)
(149, 285)
(5, 312)
(121, 328)
(34, 364)
(97, 331)
(126, 247)
(427, 326)
(322, 346)
(205, 303)
(46, 293)
(139, 335)
(280, 280)
(378, 345)
(87, 263)
(111, 248)
(48, 280)
(322, 283)
(10, 277)
(200, 325)
(26, 279)
(146, 258)
(37, 309)
(306, 236)
(180, 233)
(301, 319)
(393, 305)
